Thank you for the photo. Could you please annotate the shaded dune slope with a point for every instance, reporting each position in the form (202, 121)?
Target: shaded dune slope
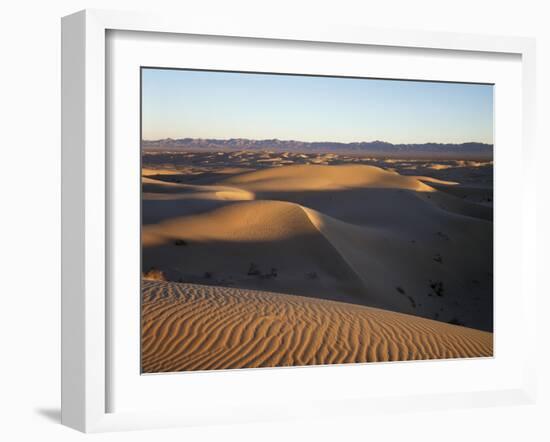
(195, 327)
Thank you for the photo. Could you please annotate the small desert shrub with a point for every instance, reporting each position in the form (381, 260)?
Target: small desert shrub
(312, 275)
(272, 274)
(253, 270)
(456, 321)
(437, 287)
(443, 236)
(154, 275)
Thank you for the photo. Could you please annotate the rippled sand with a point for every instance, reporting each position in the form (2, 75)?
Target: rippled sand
(196, 327)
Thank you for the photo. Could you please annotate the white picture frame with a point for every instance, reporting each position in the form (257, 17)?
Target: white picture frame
(86, 317)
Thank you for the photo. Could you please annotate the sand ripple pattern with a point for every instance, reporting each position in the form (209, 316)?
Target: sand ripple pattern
(195, 327)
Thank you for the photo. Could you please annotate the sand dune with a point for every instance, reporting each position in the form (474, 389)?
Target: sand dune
(478, 195)
(432, 180)
(381, 189)
(399, 274)
(152, 186)
(322, 177)
(348, 233)
(194, 327)
(165, 200)
(270, 264)
(220, 246)
(253, 221)
(150, 172)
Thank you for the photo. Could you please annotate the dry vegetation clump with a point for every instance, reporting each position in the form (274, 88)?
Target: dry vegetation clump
(154, 275)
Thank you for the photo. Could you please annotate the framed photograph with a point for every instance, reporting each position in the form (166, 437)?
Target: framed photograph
(250, 213)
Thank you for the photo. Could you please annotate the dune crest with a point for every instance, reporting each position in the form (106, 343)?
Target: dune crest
(244, 221)
(324, 177)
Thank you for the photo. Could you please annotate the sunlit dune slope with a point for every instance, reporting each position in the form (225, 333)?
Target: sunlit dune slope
(242, 243)
(152, 186)
(195, 327)
(321, 177)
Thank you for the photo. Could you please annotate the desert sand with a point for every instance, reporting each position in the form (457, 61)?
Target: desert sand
(361, 259)
(197, 327)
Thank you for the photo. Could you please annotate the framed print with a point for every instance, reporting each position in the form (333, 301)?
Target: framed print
(272, 252)
(250, 213)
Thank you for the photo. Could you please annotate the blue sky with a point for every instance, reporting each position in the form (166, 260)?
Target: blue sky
(199, 104)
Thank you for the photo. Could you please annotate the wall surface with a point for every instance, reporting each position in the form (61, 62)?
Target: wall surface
(30, 216)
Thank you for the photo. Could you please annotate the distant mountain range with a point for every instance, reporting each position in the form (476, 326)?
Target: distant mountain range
(472, 149)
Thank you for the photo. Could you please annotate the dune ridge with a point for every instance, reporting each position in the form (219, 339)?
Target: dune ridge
(315, 176)
(196, 327)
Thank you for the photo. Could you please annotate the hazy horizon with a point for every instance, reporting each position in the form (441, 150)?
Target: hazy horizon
(304, 141)
(229, 105)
